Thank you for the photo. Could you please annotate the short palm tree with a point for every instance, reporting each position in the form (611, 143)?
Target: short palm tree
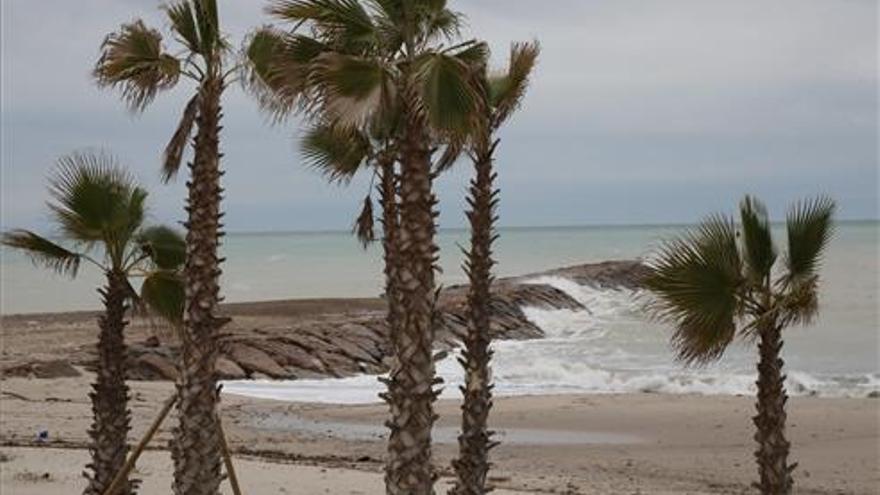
(134, 60)
(98, 207)
(717, 282)
(501, 95)
(344, 63)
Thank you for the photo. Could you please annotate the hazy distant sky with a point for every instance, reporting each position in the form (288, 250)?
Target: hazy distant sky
(640, 112)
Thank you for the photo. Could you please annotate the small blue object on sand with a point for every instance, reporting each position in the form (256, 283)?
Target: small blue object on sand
(43, 436)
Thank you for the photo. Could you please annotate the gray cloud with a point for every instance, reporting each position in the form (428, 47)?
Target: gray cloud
(640, 112)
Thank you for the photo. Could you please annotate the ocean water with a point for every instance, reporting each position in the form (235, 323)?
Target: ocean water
(610, 347)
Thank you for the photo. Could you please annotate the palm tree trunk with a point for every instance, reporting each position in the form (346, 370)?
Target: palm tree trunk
(112, 418)
(197, 447)
(411, 393)
(772, 453)
(474, 443)
(390, 243)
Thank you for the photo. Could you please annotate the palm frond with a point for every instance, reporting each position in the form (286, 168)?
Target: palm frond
(208, 19)
(134, 61)
(43, 252)
(174, 150)
(363, 225)
(280, 68)
(475, 54)
(338, 153)
(447, 92)
(433, 19)
(760, 254)
(96, 200)
(351, 89)
(443, 23)
(183, 23)
(696, 280)
(163, 292)
(799, 302)
(344, 23)
(164, 246)
(810, 227)
(451, 153)
(507, 91)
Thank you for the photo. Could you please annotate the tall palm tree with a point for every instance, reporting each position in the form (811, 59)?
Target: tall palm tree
(716, 282)
(501, 95)
(135, 60)
(98, 207)
(345, 62)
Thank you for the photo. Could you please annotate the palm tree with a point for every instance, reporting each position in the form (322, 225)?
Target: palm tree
(97, 206)
(135, 61)
(339, 153)
(717, 282)
(363, 59)
(501, 95)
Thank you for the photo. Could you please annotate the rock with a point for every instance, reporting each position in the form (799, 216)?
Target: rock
(152, 367)
(286, 354)
(228, 370)
(254, 360)
(874, 394)
(19, 371)
(57, 368)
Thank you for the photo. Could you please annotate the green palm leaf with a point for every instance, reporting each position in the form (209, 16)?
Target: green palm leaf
(43, 252)
(696, 280)
(760, 254)
(447, 93)
(350, 89)
(134, 61)
(96, 200)
(506, 92)
(346, 22)
(165, 247)
(163, 292)
(183, 22)
(280, 68)
(809, 225)
(338, 153)
(207, 19)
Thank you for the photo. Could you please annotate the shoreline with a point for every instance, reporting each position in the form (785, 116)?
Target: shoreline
(675, 443)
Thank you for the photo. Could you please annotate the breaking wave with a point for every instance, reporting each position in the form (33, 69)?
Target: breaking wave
(608, 347)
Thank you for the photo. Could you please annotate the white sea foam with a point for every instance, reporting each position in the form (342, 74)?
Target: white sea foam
(609, 347)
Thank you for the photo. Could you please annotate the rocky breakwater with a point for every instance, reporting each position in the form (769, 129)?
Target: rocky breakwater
(339, 340)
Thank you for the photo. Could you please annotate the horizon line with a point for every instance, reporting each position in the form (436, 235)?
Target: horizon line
(529, 227)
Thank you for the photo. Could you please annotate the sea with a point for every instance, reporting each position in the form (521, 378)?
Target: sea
(610, 347)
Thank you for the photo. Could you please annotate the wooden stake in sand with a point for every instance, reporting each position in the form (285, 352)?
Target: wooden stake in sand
(132, 459)
(129, 463)
(227, 459)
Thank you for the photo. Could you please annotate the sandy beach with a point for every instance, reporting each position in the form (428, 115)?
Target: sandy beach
(589, 444)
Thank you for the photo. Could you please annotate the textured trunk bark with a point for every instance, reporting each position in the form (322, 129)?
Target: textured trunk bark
(196, 450)
(474, 443)
(109, 394)
(773, 447)
(390, 243)
(411, 393)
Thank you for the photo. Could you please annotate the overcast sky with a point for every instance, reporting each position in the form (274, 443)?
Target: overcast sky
(640, 112)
